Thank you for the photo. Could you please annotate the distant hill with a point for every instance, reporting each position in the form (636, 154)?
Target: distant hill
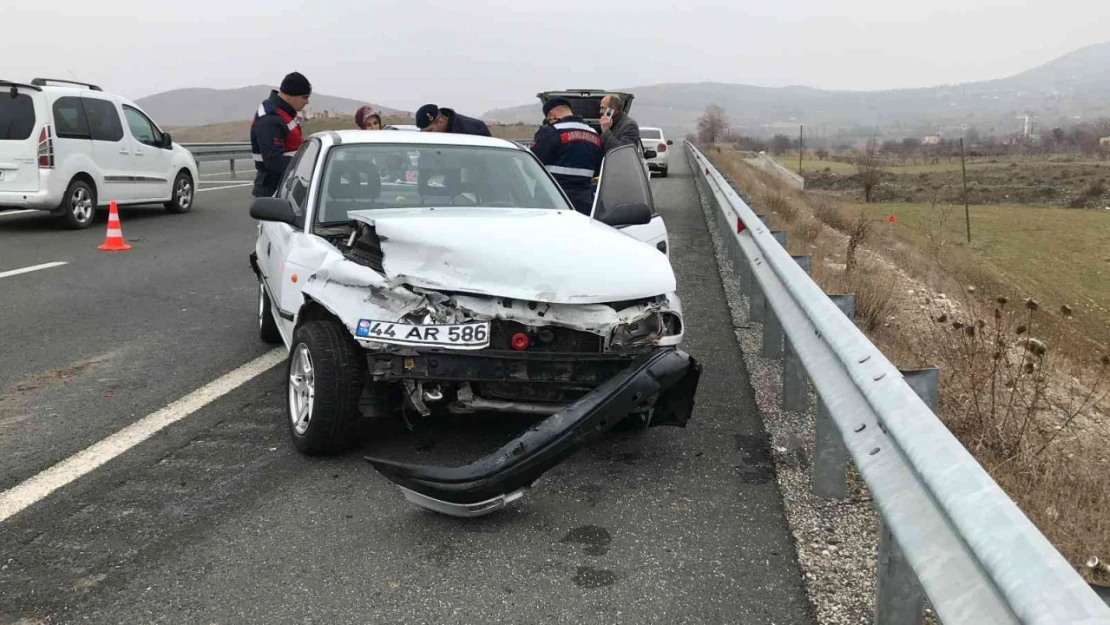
(1073, 87)
(199, 107)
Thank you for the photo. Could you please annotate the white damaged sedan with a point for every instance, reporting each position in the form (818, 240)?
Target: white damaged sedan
(409, 273)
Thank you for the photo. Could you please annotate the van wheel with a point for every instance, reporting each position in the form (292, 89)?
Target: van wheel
(327, 373)
(183, 192)
(79, 205)
(663, 173)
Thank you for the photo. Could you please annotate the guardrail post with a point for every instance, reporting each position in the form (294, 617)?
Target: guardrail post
(232, 164)
(830, 465)
(772, 329)
(795, 383)
(899, 598)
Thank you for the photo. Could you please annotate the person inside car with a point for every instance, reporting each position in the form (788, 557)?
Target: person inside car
(431, 118)
(570, 150)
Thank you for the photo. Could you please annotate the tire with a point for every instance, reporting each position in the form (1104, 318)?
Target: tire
(327, 372)
(267, 325)
(78, 206)
(182, 193)
(663, 173)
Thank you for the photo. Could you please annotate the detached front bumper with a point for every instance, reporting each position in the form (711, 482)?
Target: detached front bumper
(491, 482)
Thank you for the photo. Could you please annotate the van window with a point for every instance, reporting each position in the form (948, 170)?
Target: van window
(142, 128)
(69, 119)
(650, 133)
(17, 117)
(103, 119)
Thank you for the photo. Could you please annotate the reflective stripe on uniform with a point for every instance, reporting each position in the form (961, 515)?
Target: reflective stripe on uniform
(257, 158)
(289, 154)
(573, 126)
(292, 124)
(570, 171)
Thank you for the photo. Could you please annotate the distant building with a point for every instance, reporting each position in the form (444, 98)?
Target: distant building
(931, 140)
(1104, 142)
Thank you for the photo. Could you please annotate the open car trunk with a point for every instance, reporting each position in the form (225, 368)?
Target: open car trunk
(586, 103)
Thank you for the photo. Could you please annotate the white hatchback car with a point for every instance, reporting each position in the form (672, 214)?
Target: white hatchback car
(466, 284)
(69, 149)
(654, 140)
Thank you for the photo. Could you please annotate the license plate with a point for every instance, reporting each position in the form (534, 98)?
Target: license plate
(452, 335)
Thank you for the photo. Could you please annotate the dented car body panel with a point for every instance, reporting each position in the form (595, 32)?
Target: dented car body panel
(567, 317)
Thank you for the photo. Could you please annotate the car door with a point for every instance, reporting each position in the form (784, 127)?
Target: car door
(623, 180)
(278, 241)
(111, 149)
(152, 161)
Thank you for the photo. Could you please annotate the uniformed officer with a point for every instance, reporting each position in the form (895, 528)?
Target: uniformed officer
(276, 134)
(570, 150)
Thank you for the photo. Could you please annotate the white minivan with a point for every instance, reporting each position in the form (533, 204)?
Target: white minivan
(68, 148)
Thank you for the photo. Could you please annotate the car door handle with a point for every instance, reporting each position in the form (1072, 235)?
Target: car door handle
(123, 151)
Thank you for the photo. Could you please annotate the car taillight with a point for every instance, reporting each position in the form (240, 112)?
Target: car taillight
(46, 148)
(662, 147)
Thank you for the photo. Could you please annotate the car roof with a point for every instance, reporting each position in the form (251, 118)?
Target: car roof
(346, 137)
(651, 128)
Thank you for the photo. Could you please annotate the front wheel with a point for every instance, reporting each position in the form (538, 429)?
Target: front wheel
(327, 373)
(183, 192)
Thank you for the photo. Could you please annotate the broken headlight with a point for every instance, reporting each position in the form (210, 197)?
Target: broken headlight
(640, 332)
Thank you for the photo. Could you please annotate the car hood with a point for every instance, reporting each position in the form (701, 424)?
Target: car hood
(561, 257)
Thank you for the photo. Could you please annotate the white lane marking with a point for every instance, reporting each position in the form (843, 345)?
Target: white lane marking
(232, 186)
(33, 490)
(16, 272)
(22, 212)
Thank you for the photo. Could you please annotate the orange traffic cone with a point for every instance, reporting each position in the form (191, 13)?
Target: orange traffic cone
(114, 241)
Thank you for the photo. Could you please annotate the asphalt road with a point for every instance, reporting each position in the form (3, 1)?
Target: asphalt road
(216, 519)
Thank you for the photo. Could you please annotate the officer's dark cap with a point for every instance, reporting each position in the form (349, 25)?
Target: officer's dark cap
(553, 103)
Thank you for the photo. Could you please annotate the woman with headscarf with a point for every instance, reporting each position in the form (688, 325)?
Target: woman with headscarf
(367, 119)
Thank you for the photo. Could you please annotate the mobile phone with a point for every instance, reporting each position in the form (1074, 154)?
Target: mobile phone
(609, 113)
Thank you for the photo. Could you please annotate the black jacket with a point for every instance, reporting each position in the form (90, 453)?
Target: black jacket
(572, 152)
(624, 130)
(273, 142)
(463, 125)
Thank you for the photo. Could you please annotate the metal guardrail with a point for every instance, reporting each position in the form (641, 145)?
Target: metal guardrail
(948, 529)
(209, 152)
(776, 168)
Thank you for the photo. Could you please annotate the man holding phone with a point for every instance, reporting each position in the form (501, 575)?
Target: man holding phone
(617, 128)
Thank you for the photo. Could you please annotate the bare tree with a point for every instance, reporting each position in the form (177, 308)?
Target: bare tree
(713, 123)
(780, 144)
(858, 232)
(870, 171)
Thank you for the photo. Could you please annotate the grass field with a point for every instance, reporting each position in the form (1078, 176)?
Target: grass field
(1057, 256)
(945, 165)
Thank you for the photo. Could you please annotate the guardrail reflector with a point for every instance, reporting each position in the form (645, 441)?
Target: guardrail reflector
(740, 227)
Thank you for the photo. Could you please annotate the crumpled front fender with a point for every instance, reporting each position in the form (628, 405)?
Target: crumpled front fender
(670, 374)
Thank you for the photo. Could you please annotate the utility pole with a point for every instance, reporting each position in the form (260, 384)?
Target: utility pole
(801, 148)
(967, 211)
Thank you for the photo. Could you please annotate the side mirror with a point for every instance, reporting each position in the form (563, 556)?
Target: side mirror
(629, 214)
(670, 142)
(167, 141)
(273, 209)
(650, 154)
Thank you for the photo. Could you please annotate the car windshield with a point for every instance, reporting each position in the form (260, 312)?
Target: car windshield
(374, 176)
(651, 133)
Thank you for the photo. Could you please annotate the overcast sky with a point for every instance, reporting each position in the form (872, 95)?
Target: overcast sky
(493, 53)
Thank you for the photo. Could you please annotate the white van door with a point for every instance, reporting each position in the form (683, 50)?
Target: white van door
(21, 119)
(152, 161)
(110, 153)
